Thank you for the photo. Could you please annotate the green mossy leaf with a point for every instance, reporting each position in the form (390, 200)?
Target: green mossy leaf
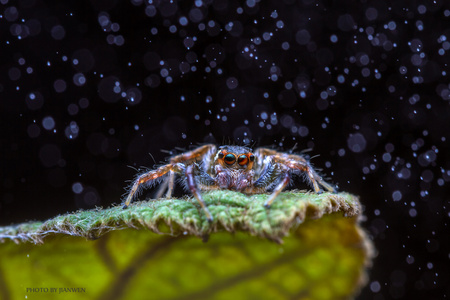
(307, 246)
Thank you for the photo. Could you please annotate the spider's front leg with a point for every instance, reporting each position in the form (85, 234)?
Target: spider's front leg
(192, 185)
(150, 177)
(204, 152)
(285, 179)
(288, 164)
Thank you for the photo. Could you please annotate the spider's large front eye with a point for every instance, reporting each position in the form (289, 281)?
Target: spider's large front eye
(242, 160)
(229, 159)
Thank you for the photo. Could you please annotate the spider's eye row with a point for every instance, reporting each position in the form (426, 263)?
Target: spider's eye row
(229, 159)
(242, 160)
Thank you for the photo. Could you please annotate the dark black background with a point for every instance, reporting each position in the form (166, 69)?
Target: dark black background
(364, 84)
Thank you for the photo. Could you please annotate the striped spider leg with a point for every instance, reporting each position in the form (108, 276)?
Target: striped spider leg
(182, 165)
(278, 168)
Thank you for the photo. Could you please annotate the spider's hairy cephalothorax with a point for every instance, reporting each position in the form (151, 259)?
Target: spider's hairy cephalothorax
(231, 167)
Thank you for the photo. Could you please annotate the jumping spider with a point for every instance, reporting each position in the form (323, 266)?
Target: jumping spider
(233, 168)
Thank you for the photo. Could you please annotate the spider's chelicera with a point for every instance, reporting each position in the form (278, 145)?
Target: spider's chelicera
(233, 168)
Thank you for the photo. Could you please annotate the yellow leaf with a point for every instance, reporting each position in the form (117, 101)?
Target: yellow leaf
(307, 246)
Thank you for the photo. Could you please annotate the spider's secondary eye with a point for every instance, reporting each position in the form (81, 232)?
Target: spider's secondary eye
(242, 160)
(229, 159)
(252, 157)
(221, 155)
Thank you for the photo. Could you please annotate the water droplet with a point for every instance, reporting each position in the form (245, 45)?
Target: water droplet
(48, 123)
(375, 286)
(356, 142)
(397, 195)
(72, 130)
(232, 83)
(77, 188)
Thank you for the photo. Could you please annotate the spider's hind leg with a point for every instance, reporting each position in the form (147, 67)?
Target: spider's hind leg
(330, 188)
(162, 188)
(167, 185)
(171, 182)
